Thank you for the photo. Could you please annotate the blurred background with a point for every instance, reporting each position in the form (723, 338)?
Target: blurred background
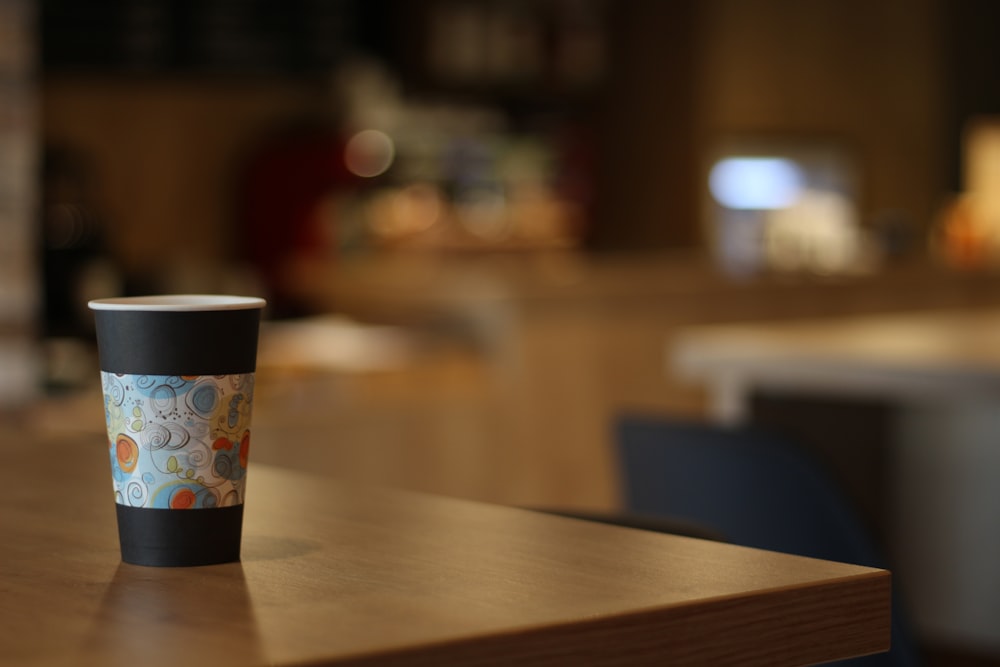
(479, 223)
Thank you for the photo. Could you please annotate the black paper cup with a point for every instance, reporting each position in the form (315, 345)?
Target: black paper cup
(177, 373)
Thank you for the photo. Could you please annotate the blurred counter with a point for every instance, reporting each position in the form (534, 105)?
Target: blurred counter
(393, 285)
(555, 344)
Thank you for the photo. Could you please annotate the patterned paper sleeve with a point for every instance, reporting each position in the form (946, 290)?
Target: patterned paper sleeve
(178, 441)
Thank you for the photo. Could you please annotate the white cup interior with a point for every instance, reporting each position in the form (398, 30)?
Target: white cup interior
(179, 302)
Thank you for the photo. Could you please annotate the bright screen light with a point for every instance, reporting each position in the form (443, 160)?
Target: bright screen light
(756, 183)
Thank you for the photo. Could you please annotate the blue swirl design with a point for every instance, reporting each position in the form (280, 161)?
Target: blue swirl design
(163, 399)
(114, 390)
(234, 410)
(227, 464)
(203, 398)
(187, 435)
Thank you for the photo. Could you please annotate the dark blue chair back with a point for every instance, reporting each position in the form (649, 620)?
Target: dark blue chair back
(752, 488)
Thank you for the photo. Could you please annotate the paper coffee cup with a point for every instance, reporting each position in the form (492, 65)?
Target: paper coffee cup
(177, 373)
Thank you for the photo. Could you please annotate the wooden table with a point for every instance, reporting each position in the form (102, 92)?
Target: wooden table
(338, 574)
(939, 370)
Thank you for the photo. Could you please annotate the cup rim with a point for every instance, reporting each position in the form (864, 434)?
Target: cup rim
(178, 302)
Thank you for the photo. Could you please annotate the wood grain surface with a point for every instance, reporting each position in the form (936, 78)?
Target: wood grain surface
(339, 574)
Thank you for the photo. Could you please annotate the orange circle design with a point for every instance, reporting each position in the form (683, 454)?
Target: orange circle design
(182, 499)
(244, 448)
(127, 452)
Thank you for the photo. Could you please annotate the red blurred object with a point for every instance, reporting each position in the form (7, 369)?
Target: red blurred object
(282, 187)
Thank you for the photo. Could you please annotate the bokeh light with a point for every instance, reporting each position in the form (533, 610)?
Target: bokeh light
(369, 153)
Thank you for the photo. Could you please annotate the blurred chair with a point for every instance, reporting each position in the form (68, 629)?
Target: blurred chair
(754, 489)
